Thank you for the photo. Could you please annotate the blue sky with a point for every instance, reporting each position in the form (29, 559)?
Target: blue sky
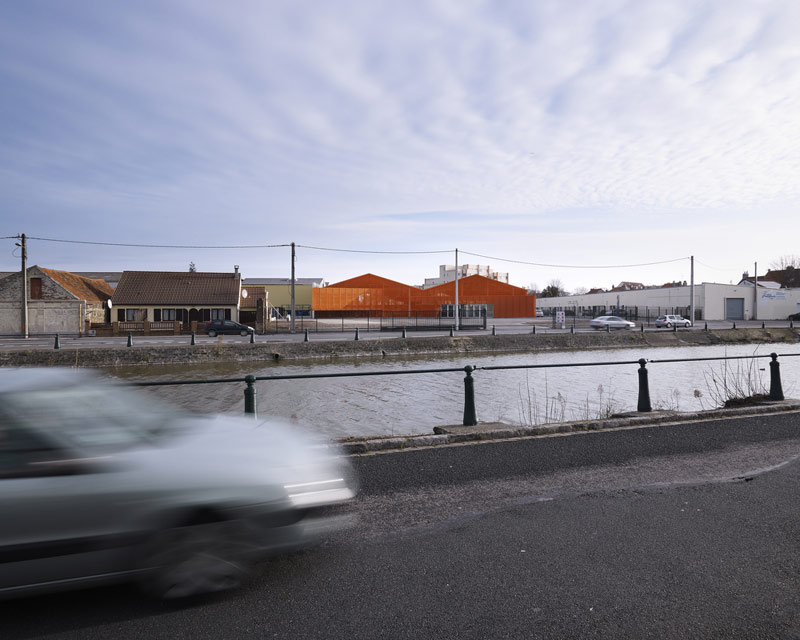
(563, 133)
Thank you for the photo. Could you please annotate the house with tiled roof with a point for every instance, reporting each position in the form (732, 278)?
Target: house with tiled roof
(58, 302)
(185, 297)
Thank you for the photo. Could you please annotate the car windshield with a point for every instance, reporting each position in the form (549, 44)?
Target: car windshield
(98, 416)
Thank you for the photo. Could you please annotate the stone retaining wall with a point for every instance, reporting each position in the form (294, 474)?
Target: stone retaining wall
(395, 347)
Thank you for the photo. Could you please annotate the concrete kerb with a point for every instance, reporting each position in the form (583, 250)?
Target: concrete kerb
(456, 434)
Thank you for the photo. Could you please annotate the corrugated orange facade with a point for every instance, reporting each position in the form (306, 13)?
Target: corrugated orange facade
(380, 296)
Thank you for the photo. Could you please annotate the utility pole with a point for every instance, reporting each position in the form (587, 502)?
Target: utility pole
(458, 320)
(291, 327)
(755, 288)
(24, 319)
(691, 290)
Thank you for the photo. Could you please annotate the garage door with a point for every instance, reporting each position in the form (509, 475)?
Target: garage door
(734, 308)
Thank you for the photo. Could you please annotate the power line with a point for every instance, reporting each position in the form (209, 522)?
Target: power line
(574, 266)
(162, 246)
(366, 251)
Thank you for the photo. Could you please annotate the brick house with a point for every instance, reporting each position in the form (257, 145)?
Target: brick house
(58, 302)
(183, 297)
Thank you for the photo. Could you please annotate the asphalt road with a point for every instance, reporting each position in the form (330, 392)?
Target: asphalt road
(675, 531)
(501, 326)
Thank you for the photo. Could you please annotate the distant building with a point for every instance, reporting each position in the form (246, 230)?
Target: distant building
(447, 273)
(58, 301)
(370, 295)
(279, 293)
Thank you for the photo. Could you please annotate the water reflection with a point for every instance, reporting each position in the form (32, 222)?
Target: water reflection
(412, 404)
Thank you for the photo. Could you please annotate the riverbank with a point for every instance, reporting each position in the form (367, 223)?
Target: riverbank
(328, 350)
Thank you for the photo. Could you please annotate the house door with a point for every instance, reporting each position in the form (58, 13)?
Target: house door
(734, 308)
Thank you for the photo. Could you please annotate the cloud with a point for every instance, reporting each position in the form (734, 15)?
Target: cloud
(385, 122)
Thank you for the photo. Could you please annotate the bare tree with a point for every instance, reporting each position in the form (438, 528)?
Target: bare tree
(789, 260)
(192, 268)
(553, 289)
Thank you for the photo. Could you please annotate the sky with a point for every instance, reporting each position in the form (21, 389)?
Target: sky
(578, 141)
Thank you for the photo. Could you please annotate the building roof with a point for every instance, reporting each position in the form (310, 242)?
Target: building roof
(179, 288)
(298, 281)
(251, 293)
(88, 289)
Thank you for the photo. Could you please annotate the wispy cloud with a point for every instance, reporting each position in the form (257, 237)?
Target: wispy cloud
(384, 122)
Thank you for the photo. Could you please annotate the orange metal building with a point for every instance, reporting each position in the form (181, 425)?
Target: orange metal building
(376, 296)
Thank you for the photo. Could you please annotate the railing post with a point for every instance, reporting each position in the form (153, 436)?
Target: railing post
(775, 387)
(252, 337)
(608, 328)
(56, 345)
(642, 327)
(494, 331)
(451, 332)
(644, 389)
(470, 418)
(534, 330)
(356, 333)
(193, 340)
(250, 395)
(706, 327)
(404, 332)
(130, 339)
(305, 337)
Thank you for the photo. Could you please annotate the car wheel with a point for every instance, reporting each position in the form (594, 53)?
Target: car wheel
(212, 334)
(195, 559)
(243, 332)
(669, 325)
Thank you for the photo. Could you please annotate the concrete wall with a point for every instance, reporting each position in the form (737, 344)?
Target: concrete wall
(709, 297)
(44, 316)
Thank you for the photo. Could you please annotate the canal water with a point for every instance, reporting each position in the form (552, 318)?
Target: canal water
(414, 404)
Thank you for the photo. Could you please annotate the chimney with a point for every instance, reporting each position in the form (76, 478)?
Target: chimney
(236, 268)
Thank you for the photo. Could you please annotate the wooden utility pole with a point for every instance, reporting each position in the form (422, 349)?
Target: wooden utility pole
(24, 319)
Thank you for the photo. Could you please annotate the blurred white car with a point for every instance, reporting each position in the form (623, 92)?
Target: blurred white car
(98, 484)
(610, 322)
(672, 321)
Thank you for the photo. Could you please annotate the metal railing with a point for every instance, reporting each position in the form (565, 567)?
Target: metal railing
(470, 414)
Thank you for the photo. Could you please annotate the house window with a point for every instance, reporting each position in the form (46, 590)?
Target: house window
(168, 315)
(133, 315)
(218, 314)
(36, 288)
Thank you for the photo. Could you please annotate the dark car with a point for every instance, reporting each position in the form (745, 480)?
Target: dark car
(794, 316)
(219, 327)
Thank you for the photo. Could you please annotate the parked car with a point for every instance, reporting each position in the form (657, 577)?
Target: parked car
(670, 321)
(610, 322)
(539, 313)
(219, 327)
(100, 484)
(794, 316)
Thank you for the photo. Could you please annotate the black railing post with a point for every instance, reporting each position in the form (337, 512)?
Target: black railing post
(534, 330)
(494, 331)
(644, 389)
(305, 337)
(775, 387)
(451, 332)
(470, 418)
(252, 337)
(706, 327)
(130, 339)
(356, 333)
(193, 342)
(56, 344)
(404, 332)
(250, 395)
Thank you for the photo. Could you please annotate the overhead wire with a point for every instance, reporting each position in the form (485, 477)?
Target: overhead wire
(574, 266)
(362, 251)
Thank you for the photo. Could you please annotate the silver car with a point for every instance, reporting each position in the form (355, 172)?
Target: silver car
(99, 484)
(670, 321)
(610, 322)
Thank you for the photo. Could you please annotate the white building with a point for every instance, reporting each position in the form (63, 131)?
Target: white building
(447, 273)
(711, 301)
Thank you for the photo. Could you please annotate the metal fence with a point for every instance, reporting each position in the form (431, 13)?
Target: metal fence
(470, 415)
